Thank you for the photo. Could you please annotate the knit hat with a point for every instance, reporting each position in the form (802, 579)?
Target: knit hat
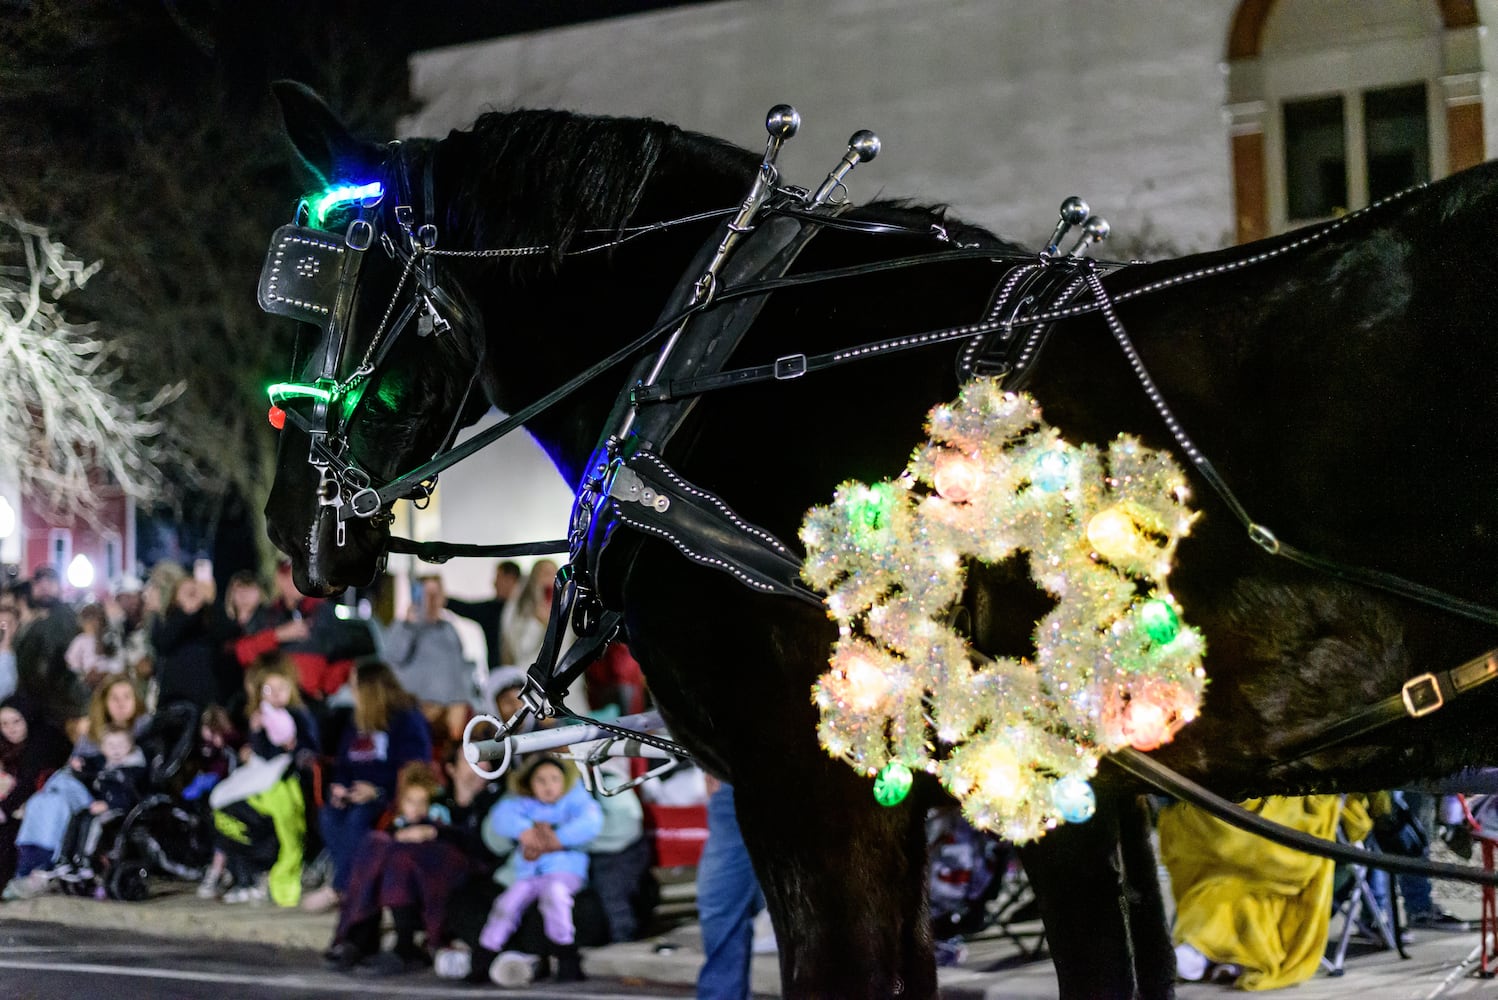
(280, 728)
(502, 679)
(520, 777)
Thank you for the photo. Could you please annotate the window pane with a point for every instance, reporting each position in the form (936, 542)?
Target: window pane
(1315, 158)
(1398, 139)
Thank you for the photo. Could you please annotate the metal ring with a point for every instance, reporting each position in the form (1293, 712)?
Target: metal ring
(504, 762)
(360, 235)
(1264, 539)
(357, 502)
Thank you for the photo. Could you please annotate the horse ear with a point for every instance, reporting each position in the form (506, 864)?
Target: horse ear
(320, 138)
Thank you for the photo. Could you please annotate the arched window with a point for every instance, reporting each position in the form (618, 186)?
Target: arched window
(1333, 104)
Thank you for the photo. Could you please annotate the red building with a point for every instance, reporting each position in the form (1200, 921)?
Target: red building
(105, 542)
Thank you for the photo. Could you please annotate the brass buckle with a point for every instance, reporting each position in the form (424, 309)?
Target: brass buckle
(1422, 695)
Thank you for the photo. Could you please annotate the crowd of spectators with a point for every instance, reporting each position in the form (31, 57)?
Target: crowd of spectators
(327, 770)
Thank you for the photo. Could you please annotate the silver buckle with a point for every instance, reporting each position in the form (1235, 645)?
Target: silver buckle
(1422, 695)
(789, 367)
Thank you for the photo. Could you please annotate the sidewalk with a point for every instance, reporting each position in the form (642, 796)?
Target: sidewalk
(1434, 968)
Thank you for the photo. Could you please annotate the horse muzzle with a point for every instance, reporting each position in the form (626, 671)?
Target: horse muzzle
(320, 565)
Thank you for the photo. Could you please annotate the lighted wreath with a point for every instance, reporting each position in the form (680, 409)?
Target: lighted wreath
(1014, 740)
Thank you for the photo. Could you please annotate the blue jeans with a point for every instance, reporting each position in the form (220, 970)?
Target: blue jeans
(343, 831)
(728, 897)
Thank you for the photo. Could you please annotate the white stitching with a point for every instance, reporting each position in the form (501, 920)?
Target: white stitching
(687, 487)
(692, 553)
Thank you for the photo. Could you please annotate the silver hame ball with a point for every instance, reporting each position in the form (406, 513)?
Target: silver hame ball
(1097, 227)
(1074, 210)
(782, 121)
(865, 144)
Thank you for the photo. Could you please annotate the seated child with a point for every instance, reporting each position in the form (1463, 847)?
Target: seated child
(551, 817)
(117, 788)
(418, 812)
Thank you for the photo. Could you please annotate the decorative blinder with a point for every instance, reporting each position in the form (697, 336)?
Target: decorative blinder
(303, 271)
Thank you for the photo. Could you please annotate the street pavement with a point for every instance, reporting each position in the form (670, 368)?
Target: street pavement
(177, 945)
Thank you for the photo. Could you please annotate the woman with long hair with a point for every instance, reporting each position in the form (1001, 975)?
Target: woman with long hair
(522, 624)
(115, 705)
(29, 749)
(388, 732)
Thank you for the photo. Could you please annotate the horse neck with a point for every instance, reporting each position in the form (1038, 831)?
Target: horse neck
(552, 328)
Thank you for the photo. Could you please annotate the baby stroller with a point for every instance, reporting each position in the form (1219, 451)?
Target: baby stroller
(975, 885)
(167, 832)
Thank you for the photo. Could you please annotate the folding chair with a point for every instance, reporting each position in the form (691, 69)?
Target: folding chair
(1355, 905)
(1487, 945)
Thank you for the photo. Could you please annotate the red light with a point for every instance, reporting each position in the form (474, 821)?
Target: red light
(277, 417)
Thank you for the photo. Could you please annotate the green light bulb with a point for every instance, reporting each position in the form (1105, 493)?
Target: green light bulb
(1159, 621)
(869, 513)
(892, 784)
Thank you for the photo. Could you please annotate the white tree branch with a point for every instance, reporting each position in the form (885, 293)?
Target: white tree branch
(70, 416)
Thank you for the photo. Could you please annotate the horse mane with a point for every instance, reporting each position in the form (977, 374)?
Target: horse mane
(545, 177)
(533, 177)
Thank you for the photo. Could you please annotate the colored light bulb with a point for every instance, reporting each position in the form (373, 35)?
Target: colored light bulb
(1052, 472)
(1074, 799)
(277, 417)
(1146, 724)
(892, 784)
(1113, 534)
(869, 512)
(1159, 621)
(957, 477)
(1001, 774)
(867, 687)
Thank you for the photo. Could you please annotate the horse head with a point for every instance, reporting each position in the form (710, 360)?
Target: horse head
(517, 219)
(393, 373)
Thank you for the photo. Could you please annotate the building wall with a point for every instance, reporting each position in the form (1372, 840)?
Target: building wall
(1000, 110)
(113, 521)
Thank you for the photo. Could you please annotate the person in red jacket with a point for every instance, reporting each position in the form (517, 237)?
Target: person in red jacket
(301, 628)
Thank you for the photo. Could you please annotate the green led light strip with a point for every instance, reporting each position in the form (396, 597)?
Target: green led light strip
(295, 390)
(342, 194)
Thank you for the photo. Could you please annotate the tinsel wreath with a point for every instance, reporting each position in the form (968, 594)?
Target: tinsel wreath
(1015, 740)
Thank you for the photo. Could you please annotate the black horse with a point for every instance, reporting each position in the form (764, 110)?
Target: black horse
(1342, 385)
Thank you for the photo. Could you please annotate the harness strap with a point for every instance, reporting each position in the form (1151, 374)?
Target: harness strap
(650, 497)
(399, 487)
(1419, 697)
(1162, 778)
(441, 552)
(1031, 288)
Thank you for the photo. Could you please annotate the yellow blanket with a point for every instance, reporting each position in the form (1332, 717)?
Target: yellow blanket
(1245, 901)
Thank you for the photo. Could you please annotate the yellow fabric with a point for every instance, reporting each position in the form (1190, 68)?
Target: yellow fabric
(1244, 901)
(284, 804)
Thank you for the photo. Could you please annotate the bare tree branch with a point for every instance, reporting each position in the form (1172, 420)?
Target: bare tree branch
(72, 413)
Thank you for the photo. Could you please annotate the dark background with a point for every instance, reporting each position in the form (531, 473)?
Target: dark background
(142, 134)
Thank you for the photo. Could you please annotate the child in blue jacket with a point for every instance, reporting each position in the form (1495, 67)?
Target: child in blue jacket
(551, 817)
